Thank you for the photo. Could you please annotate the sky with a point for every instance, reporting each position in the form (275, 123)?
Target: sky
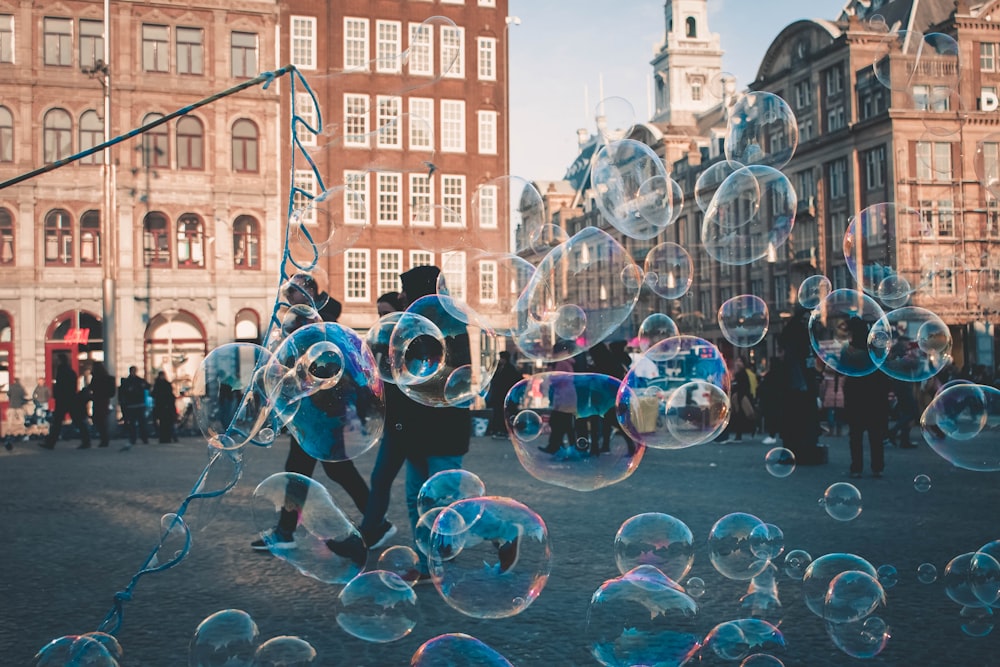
(561, 52)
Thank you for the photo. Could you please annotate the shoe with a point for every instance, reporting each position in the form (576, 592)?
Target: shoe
(769, 440)
(855, 475)
(353, 548)
(273, 539)
(508, 554)
(85, 445)
(381, 537)
(46, 445)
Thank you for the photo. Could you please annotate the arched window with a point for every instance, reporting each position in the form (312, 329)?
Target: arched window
(6, 237)
(6, 135)
(244, 146)
(58, 238)
(155, 240)
(246, 243)
(692, 27)
(7, 350)
(90, 238)
(57, 135)
(91, 134)
(190, 242)
(247, 326)
(190, 143)
(155, 144)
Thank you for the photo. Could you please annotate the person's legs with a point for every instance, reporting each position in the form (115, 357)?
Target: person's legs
(347, 476)
(418, 472)
(55, 423)
(856, 435)
(295, 491)
(876, 438)
(80, 421)
(388, 462)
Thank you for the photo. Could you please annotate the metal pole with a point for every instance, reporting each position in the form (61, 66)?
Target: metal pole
(109, 220)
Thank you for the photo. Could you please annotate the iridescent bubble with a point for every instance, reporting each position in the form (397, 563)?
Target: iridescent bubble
(285, 651)
(615, 118)
(735, 640)
(656, 539)
(730, 548)
(922, 483)
(82, 650)
(888, 576)
(505, 559)
(456, 649)
(743, 320)
(910, 344)
(860, 639)
(958, 578)
(839, 328)
(985, 573)
(762, 130)
(227, 637)
(671, 266)
(814, 290)
(780, 462)
(424, 528)
(761, 660)
(377, 339)
(227, 395)
(842, 501)
(818, 575)
(710, 178)
(852, 596)
(959, 425)
(402, 561)
(570, 322)
(976, 621)
(654, 328)
(632, 189)
(325, 545)
(767, 541)
(448, 486)
(695, 587)
(526, 426)
(926, 573)
(377, 606)
(696, 412)
(298, 316)
(796, 563)
(641, 618)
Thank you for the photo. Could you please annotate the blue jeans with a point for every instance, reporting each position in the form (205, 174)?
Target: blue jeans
(388, 462)
(418, 471)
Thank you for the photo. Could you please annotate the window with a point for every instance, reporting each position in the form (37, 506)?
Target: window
(154, 48)
(355, 120)
(421, 200)
(806, 130)
(90, 238)
(781, 292)
(421, 61)
(356, 205)
(487, 58)
(803, 94)
(946, 218)
(243, 47)
(943, 281)
(452, 52)
(246, 243)
(58, 40)
(987, 57)
(190, 145)
(7, 255)
(6, 135)
(304, 184)
(942, 161)
(940, 98)
(6, 38)
(58, 238)
(453, 126)
(57, 135)
(155, 143)
(421, 123)
(91, 43)
(696, 91)
(244, 145)
(805, 185)
(190, 242)
(921, 97)
(487, 206)
(835, 118)
(453, 270)
(306, 110)
(390, 265)
(875, 168)
(91, 134)
(990, 161)
(487, 132)
(992, 217)
(388, 48)
(691, 27)
(355, 44)
(356, 275)
(155, 240)
(453, 198)
(389, 133)
(389, 190)
(487, 3)
(487, 282)
(421, 258)
(190, 50)
(933, 161)
(834, 80)
(838, 228)
(838, 178)
(304, 42)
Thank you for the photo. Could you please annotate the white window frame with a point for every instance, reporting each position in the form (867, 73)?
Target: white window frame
(421, 50)
(304, 179)
(487, 124)
(421, 186)
(353, 138)
(487, 3)
(923, 159)
(387, 47)
(488, 268)
(389, 198)
(421, 258)
(456, 68)
(9, 31)
(987, 57)
(388, 109)
(945, 215)
(354, 25)
(487, 206)
(452, 201)
(838, 179)
(421, 119)
(452, 126)
(875, 168)
(356, 181)
(305, 108)
(453, 269)
(361, 272)
(486, 66)
(942, 158)
(390, 265)
(303, 44)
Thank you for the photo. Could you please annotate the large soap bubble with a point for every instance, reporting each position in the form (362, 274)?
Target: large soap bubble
(730, 547)
(449, 486)
(654, 328)
(960, 424)
(839, 329)
(710, 178)
(229, 399)
(911, 344)
(456, 649)
(762, 130)
(735, 640)
(656, 539)
(743, 320)
(633, 190)
(817, 577)
(860, 639)
(83, 650)
(227, 637)
(852, 596)
(615, 118)
(377, 606)
(668, 270)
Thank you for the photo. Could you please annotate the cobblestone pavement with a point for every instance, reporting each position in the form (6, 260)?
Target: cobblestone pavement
(78, 524)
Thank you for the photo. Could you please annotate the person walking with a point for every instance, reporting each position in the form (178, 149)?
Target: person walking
(866, 407)
(164, 408)
(832, 394)
(132, 399)
(504, 377)
(40, 397)
(17, 398)
(562, 401)
(67, 403)
(102, 390)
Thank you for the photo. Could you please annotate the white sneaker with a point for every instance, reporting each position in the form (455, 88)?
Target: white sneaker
(769, 440)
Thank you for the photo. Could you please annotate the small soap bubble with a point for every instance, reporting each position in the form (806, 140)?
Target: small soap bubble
(817, 577)
(377, 606)
(813, 290)
(761, 660)
(82, 650)
(839, 328)
(922, 483)
(402, 561)
(695, 587)
(671, 268)
(926, 573)
(527, 425)
(654, 328)
(954, 418)
(632, 189)
(656, 539)
(958, 580)
(754, 121)
(571, 320)
(767, 541)
(780, 462)
(711, 178)
(743, 320)
(730, 547)
(796, 562)
(852, 596)
(888, 576)
(861, 639)
(976, 621)
(842, 501)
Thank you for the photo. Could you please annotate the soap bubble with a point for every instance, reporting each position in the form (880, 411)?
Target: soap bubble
(984, 573)
(735, 640)
(695, 587)
(641, 618)
(957, 579)
(668, 270)
(842, 501)
(813, 291)
(615, 118)
(860, 639)
(730, 547)
(926, 573)
(976, 621)
(632, 188)
(456, 649)
(839, 328)
(656, 539)
(696, 412)
(910, 344)
(377, 339)
(762, 130)
(654, 328)
(888, 576)
(448, 486)
(767, 541)
(284, 651)
(228, 399)
(526, 425)
(377, 606)
(852, 596)
(504, 561)
(743, 320)
(424, 527)
(818, 575)
(401, 561)
(320, 228)
(780, 462)
(75, 650)
(761, 660)
(710, 178)
(570, 321)
(227, 637)
(959, 425)
(922, 483)
(796, 563)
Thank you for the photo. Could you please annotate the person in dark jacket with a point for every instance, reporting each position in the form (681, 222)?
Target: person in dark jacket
(102, 390)
(866, 407)
(164, 407)
(132, 399)
(799, 393)
(67, 403)
(504, 377)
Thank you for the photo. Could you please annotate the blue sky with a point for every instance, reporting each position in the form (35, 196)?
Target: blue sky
(560, 49)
